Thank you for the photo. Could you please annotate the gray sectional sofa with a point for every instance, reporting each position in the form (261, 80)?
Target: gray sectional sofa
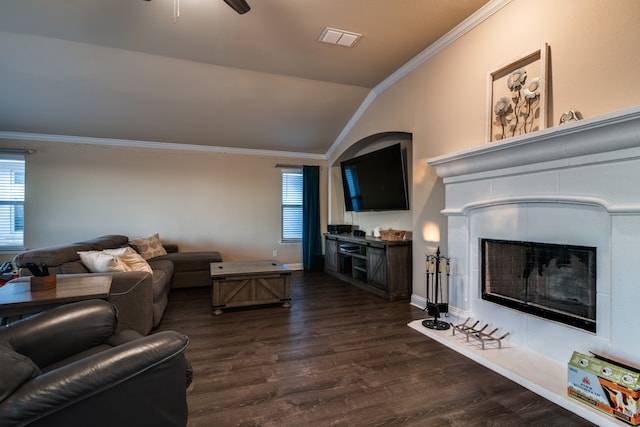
(140, 297)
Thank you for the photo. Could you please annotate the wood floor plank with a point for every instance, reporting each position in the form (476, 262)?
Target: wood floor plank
(338, 357)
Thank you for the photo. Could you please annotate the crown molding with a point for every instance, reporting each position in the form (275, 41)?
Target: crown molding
(442, 43)
(351, 123)
(432, 50)
(85, 140)
(461, 29)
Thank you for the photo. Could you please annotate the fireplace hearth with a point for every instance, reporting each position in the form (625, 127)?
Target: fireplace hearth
(552, 281)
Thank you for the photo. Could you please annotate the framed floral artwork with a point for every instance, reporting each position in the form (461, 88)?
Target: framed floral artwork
(517, 96)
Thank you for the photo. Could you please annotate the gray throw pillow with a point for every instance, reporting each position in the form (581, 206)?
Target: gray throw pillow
(15, 369)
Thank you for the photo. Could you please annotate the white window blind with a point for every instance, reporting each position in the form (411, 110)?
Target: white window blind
(291, 205)
(12, 180)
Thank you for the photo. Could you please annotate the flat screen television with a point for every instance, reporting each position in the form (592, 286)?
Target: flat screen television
(376, 181)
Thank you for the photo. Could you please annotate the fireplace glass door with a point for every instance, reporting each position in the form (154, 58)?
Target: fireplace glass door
(556, 282)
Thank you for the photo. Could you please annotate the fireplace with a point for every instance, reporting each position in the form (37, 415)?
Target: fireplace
(552, 281)
(575, 184)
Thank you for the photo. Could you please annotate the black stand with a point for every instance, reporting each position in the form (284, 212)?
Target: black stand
(436, 324)
(434, 307)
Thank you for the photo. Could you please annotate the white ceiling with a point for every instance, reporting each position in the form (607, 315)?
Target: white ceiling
(127, 69)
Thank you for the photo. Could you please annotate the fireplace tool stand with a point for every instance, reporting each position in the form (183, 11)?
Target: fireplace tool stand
(435, 266)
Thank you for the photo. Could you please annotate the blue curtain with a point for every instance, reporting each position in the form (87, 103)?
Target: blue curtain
(311, 238)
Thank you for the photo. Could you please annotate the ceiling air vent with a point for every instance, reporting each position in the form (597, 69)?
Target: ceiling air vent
(338, 37)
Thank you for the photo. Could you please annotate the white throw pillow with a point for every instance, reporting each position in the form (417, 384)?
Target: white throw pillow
(131, 258)
(149, 246)
(100, 262)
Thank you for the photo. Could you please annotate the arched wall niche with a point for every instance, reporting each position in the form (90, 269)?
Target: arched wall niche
(374, 142)
(366, 221)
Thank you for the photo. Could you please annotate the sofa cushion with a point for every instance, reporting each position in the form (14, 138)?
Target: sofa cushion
(162, 274)
(72, 267)
(149, 246)
(191, 261)
(51, 256)
(110, 241)
(115, 340)
(15, 369)
(54, 256)
(191, 269)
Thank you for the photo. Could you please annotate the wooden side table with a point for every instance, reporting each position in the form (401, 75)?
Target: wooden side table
(17, 299)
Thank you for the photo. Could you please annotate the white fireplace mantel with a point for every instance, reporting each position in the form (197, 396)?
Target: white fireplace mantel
(554, 146)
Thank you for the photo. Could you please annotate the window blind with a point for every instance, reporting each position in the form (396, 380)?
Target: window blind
(12, 185)
(291, 205)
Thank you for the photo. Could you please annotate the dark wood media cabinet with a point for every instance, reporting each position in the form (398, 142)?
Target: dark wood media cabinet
(379, 266)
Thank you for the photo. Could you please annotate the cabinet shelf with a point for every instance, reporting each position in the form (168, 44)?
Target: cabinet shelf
(353, 255)
(378, 266)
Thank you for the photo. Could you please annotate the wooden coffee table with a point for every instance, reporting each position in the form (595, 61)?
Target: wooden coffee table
(17, 299)
(242, 284)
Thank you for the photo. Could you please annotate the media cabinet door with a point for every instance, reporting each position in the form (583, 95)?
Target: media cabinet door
(377, 268)
(399, 264)
(331, 255)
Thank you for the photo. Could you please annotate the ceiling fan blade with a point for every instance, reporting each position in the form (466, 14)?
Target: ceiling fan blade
(239, 6)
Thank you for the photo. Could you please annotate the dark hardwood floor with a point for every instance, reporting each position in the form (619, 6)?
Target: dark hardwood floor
(338, 357)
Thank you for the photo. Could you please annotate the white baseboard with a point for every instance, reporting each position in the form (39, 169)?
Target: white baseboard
(418, 301)
(295, 266)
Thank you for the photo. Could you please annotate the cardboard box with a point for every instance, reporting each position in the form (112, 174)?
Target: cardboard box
(602, 383)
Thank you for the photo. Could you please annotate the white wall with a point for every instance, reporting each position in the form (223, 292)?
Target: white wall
(199, 200)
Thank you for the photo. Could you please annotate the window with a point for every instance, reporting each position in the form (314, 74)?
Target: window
(11, 202)
(291, 205)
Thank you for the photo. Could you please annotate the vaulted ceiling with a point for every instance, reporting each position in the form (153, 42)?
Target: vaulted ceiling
(196, 72)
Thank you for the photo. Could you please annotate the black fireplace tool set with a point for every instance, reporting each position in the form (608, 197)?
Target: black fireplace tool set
(436, 266)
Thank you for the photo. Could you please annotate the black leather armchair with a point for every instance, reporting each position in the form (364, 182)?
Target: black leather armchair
(68, 367)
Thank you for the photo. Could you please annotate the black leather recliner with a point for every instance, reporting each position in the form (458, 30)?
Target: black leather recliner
(68, 367)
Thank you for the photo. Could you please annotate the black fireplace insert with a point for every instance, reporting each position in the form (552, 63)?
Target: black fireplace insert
(552, 281)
